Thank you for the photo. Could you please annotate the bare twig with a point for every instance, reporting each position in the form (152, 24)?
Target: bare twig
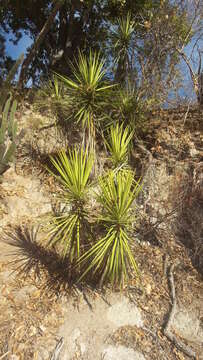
(167, 330)
(165, 266)
(186, 114)
(48, 126)
(4, 355)
(56, 353)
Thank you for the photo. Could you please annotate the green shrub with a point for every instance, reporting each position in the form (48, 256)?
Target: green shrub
(118, 144)
(111, 257)
(121, 43)
(52, 97)
(70, 226)
(87, 92)
(129, 108)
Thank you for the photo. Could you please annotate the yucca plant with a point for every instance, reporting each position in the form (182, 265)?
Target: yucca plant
(129, 108)
(69, 227)
(118, 142)
(111, 257)
(51, 96)
(87, 91)
(56, 88)
(121, 37)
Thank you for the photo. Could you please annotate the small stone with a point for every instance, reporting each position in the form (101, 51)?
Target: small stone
(44, 353)
(75, 334)
(153, 220)
(121, 353)
(21, 348)
(82, 348)
(14, 357)
(124, 313)
(188, 326)
(24, 292)
(42, 328)
(148, 289)
(193, 152)
(33, 331)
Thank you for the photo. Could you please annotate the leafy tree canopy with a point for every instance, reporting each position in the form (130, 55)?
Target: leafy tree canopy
(88, 24)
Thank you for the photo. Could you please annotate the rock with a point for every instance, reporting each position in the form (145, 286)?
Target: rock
(44, 354)
(125, 313)
(14, 357)
(86, 329)
(83, 348)
(148, 289)
(75, 334)
(187, 325)
(121, 353)
(6, 276)
(24, 198)
(193, 152)
(41, 135)
(32, 331)
(24, 292)
(42, 328)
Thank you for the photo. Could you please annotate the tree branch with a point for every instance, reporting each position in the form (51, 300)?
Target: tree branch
(56, 6)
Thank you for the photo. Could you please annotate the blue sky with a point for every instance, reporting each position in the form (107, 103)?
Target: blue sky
(15, 50)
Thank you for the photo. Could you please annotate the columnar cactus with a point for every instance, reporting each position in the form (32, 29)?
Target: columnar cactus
(7, 84)
(8, 130)
(8, 126)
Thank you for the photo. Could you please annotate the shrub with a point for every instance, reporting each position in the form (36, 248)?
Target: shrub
(121, 40)
(129, 108)
(118, 144)
(111, 257)
(70, 226)
(51, 96)
(87, 92)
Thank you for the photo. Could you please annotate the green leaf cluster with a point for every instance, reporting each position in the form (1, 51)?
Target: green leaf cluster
(100, 246)
(121, 38)
(73, 171)
(111, 257)
(118, 142)
(87, 91)
(129, 108)
(52, 97)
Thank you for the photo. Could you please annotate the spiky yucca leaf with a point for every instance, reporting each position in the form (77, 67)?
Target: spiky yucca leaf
(129, 107)
(74, 173)
(87, 89)
(118, 144)
(51, 96)
(122, 36)
(111, 256)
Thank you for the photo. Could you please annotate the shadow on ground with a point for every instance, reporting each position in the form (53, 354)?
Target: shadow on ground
(32, 258)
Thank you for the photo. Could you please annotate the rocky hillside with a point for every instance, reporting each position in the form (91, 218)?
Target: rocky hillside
(158, 317)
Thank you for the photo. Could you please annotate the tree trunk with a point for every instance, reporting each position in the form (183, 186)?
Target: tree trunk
(38, 42)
